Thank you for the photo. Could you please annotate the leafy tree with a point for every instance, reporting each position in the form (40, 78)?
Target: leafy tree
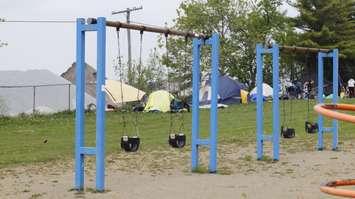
(263, 19)
(240, 24)
(153, 74)
(206, 17)
(149, 77)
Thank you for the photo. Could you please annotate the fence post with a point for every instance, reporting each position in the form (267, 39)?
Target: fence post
(69, 97)
(34, 100)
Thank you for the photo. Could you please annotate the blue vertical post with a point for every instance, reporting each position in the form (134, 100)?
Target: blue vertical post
(100, 104)
(195, 102)
(320, 100)
(214, 42)
(335, 95)
(259, 102)
(275, 102)
(80, 117)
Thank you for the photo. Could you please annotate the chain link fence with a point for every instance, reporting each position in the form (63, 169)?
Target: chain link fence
(32, 99)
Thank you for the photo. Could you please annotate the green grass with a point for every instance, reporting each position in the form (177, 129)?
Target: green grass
(22, 139)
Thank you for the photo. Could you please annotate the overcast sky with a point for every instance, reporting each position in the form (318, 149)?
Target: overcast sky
(52, 46)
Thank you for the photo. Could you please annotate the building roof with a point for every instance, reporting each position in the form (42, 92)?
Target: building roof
(90, 78)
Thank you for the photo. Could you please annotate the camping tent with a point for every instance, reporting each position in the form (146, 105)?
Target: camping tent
(90, 81)
(159, 101)
(229, 91)
(267, 91)
(130, 94)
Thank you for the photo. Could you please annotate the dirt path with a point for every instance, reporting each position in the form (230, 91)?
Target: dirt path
(165, 174)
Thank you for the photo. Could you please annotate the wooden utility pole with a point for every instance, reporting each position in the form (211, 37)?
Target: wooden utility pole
(128, 20)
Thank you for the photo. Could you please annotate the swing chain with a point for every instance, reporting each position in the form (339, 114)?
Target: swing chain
(139, 70)
(182, 118)
(169, 86)
(308, 85)
(284, 107)
(294, 89)
(121, 81)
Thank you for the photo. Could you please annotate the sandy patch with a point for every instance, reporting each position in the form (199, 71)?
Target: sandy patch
(166, 174)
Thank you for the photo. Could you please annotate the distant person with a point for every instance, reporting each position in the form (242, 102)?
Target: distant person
(351, 84)
(308, 90)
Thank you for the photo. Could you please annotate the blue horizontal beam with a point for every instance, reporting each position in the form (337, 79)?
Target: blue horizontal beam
(266, 51)
(328, 129)
(203, 141)
(89, 27)
(88, 150)
(321, 54)
(267, 137)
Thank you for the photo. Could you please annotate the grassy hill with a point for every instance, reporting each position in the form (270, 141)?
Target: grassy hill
(23, 138)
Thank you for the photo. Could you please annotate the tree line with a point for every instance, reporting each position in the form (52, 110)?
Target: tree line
(242, 24)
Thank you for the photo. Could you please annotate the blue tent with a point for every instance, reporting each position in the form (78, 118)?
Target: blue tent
(228, 92)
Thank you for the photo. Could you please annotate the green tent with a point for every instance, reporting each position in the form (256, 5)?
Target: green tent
(159, 101)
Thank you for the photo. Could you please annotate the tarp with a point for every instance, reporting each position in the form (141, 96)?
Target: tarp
(228, 91)
(329, 96)
(130, 93)
(208, 106)
(159, 101)
(267, 91)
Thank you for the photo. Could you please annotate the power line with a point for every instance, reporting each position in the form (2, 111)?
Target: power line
(40, 85)
(36, 21)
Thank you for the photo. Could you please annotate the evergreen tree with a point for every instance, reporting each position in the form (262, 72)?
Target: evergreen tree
(329, 24)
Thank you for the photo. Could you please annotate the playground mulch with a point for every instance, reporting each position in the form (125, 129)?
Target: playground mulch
(158, 173)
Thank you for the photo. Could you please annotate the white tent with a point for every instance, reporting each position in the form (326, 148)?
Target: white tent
(130, 94)
(267, 90)
(206, 94)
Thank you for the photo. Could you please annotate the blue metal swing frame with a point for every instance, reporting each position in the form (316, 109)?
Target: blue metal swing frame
(275, 136)
(99, 151)
(211, 142)
(334, 55)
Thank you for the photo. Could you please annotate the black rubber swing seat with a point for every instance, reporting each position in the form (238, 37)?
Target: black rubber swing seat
(288, 132)
(130, 143)
(310, 127)
(177, 140)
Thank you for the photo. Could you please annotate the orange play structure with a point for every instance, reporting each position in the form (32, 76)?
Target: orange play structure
(328, 110)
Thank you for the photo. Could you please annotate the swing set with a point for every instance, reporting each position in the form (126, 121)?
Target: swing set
(293, 92)
(131, 142)
(274, 51)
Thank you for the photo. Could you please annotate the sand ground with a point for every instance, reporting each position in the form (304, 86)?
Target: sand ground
(166, 174)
